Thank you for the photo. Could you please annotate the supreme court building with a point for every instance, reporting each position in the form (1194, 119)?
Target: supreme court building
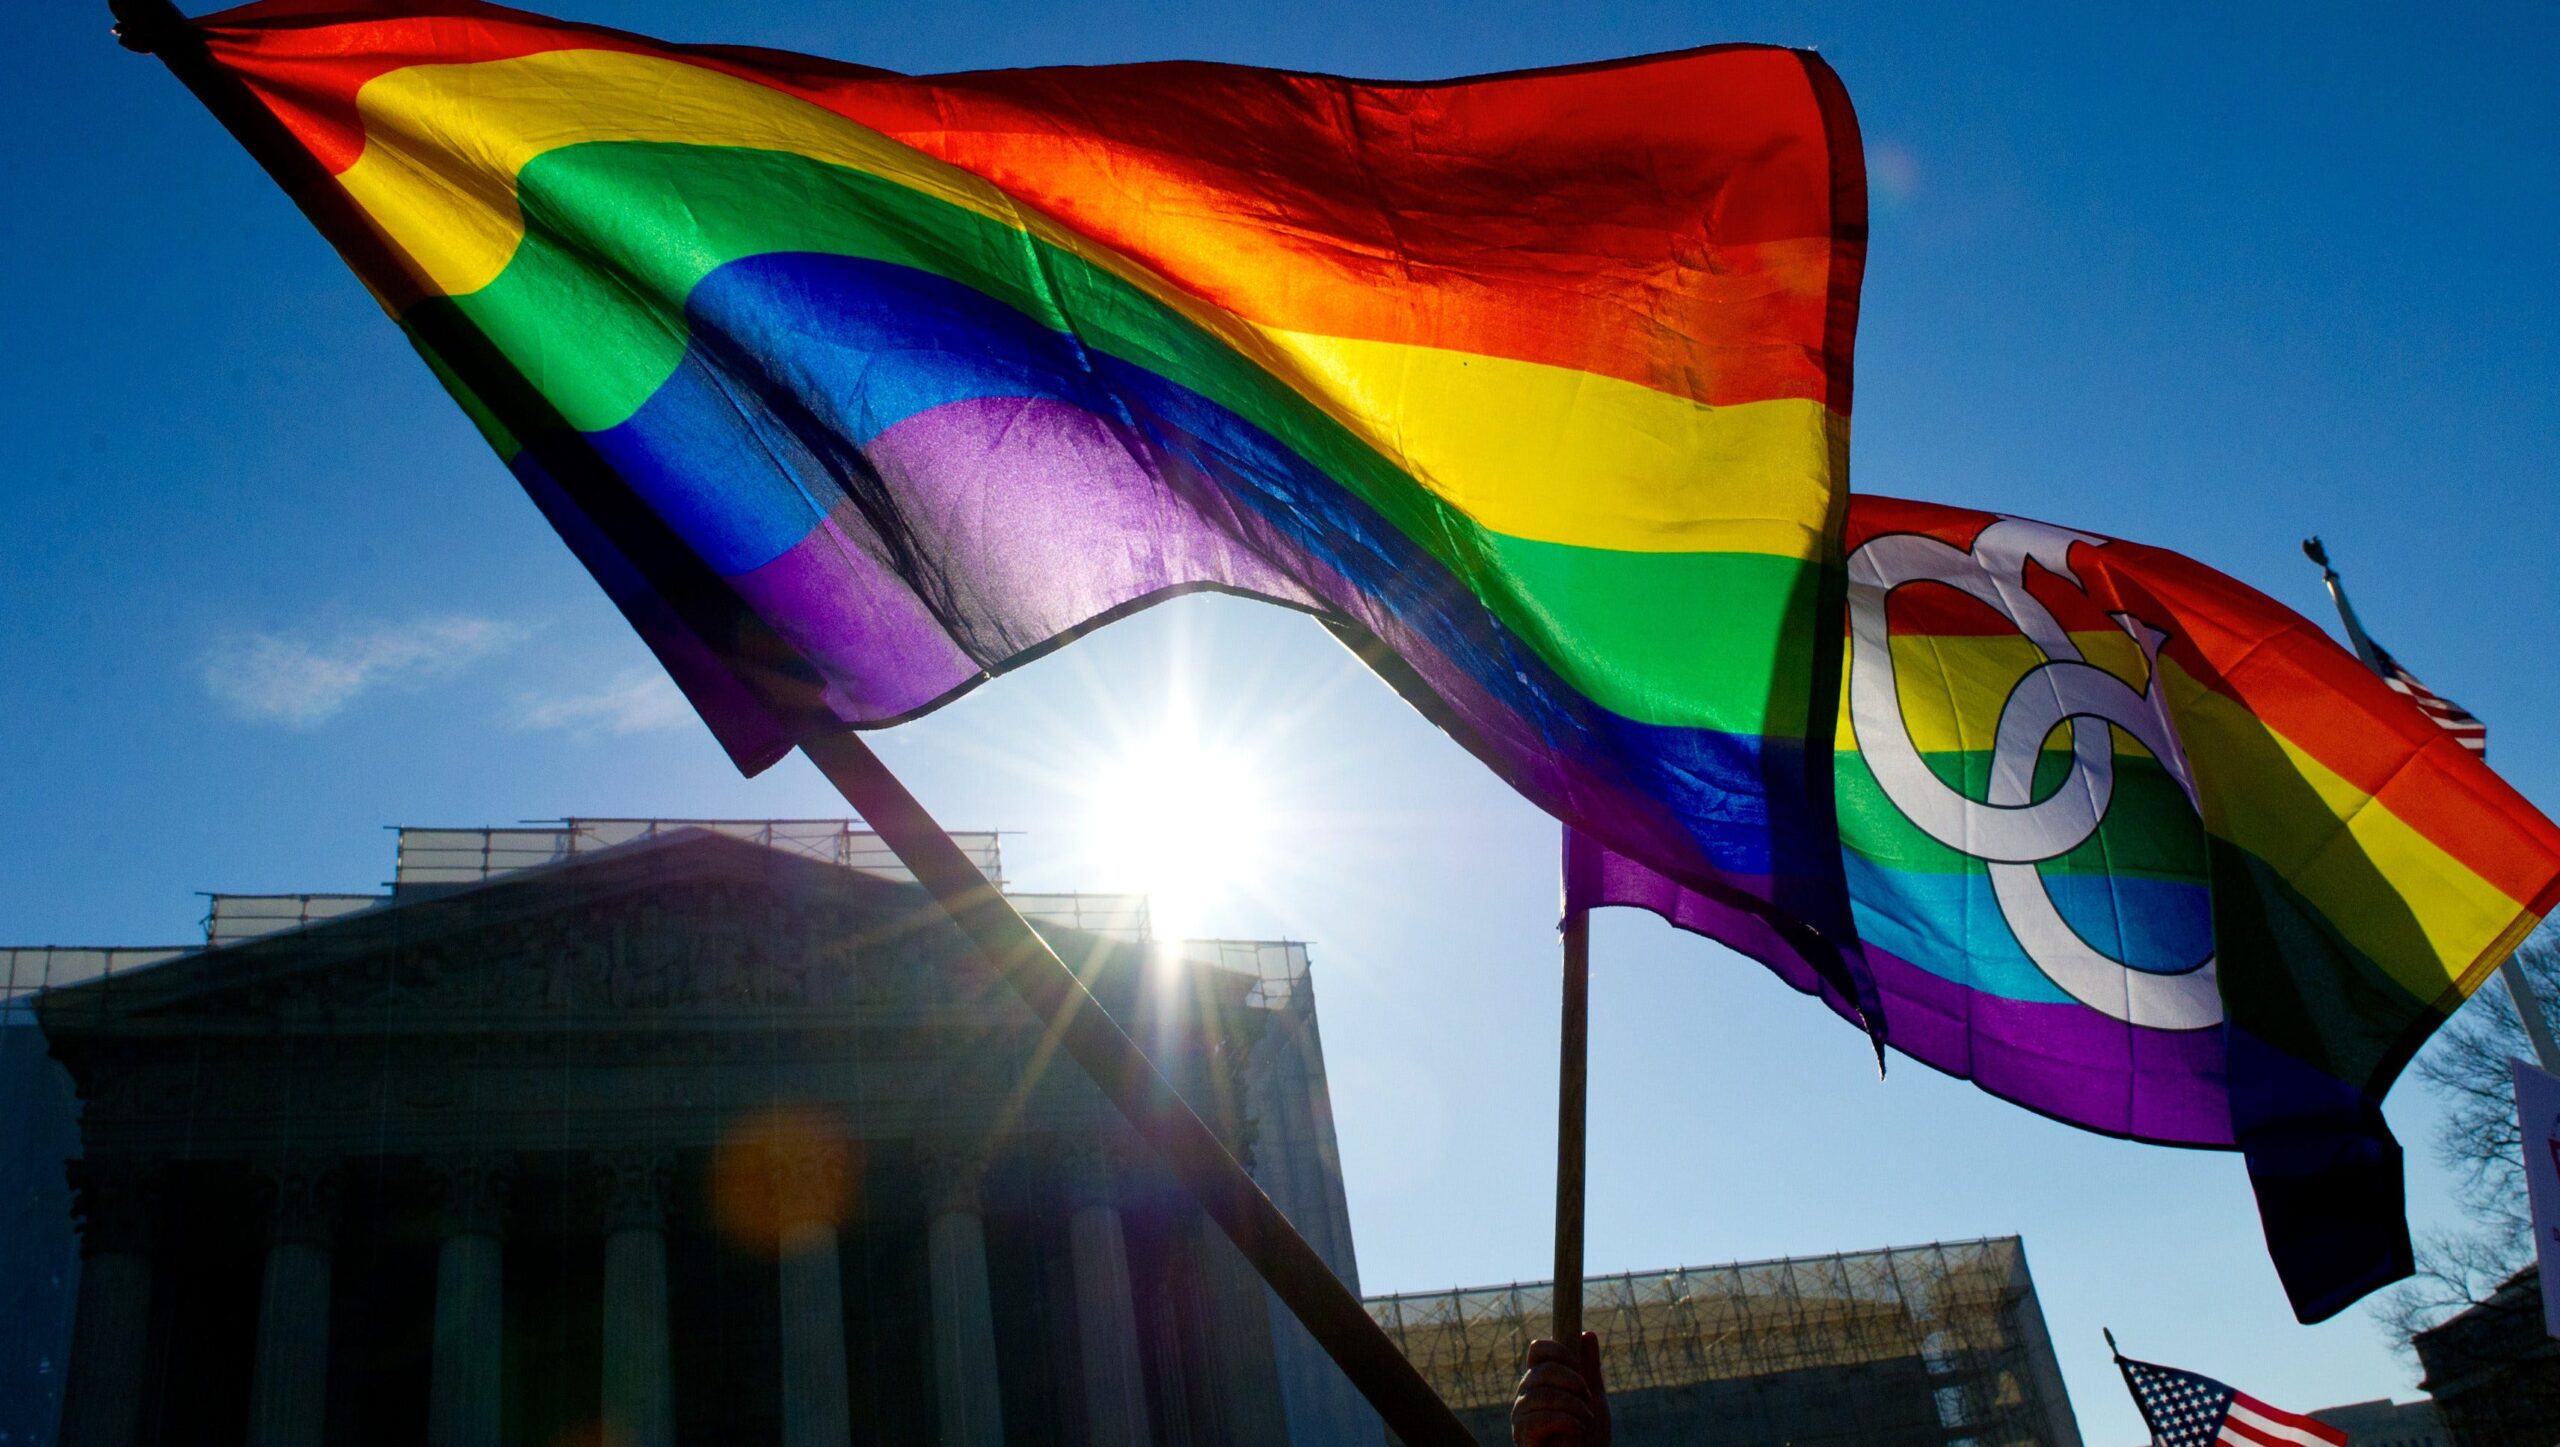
(646, 1133)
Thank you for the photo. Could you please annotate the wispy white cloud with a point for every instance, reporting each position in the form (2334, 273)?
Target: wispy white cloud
(303, 679)
(634, 702)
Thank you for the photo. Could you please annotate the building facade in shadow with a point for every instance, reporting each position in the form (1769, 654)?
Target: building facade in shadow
(650, 1134)
(2494, 1370)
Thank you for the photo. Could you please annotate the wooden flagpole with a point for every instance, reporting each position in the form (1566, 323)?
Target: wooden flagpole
(1308, 1287)
(1573, 1077)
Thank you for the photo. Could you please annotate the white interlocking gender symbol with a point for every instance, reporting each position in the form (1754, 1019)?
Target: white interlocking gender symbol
(2011, 829)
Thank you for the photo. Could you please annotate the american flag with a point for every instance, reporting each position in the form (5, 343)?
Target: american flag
(2186, 1410)
(2452, 717)
(2449, 716)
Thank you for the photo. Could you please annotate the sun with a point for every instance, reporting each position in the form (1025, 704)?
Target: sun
(1183, 819)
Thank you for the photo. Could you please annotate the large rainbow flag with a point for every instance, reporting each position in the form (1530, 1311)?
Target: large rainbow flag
(855, 389)
(2136, 846)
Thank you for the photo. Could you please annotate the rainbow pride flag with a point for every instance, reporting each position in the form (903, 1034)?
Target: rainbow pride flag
(856, 389)
(2136, 846)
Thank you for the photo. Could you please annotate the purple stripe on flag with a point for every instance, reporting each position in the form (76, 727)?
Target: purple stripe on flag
(2063, 1060)
(1057, 515)
(2066, 1061)
(1597, 875)
(880, 649)
(1047, 516)
(1028, 510)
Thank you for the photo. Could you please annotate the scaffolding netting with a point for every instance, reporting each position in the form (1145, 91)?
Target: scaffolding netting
(1938, 1343)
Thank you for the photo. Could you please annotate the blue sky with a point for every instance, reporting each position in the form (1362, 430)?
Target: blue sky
(2212, 279)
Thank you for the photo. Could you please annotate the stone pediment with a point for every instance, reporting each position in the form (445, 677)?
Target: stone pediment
(693, 924)
(638, 992)
(643, 988)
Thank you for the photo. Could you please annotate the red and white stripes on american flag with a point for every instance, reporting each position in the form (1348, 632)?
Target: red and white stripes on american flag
(2253, 1423)
(2187, 1410)
(2452, 717)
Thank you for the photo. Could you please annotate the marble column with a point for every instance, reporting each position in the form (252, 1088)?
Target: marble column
(968, 1399)
(102, 1397)
(289, 1386)
(464, 1403)
(1172, 1352)
(638, 1396)
(1240, 1387)
(1115, 1384)
(809, 1187)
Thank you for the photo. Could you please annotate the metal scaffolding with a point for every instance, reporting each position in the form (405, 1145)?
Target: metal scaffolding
(1939, 1343)
(449, 858)
(29, 971)
(468, 856)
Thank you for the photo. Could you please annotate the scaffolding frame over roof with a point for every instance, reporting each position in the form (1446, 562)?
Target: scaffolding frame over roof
(1965, 1311)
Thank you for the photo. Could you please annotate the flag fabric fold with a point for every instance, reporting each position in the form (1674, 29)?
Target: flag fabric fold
(2136, 847)
(855, 389)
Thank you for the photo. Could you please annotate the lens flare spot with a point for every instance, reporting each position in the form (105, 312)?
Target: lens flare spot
(782, 1169)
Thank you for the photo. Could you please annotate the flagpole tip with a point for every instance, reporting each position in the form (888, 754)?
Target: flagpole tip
(2109, 1334)
(2312, 549)
(146, 26)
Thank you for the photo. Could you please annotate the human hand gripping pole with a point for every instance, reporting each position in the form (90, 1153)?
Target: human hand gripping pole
(1185, 1143)
(1562, 1401)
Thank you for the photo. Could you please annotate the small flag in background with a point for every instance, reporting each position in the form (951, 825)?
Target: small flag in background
(2452, 717)
(2449, 716)
(2187, 1410)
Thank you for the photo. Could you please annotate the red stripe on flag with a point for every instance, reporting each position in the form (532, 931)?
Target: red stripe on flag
(2276, 1425)
(2240, 1434)
(2237, 1433)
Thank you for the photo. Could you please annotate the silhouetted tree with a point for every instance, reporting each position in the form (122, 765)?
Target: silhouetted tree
(2479, 1141)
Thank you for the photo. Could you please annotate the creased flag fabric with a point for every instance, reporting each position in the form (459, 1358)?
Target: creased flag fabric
(855, 389)
(2135, 846)
(2184, 1409)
